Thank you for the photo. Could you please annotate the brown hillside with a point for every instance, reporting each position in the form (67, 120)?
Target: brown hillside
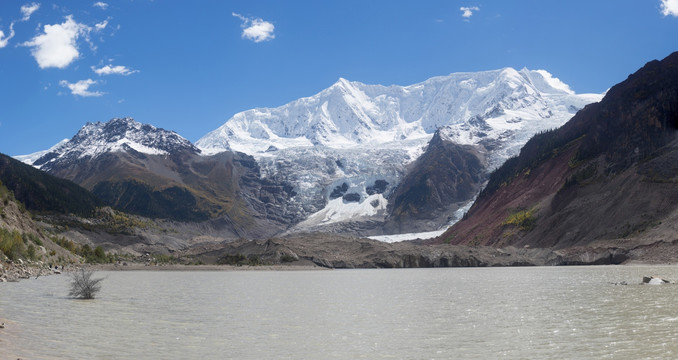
(608, 176)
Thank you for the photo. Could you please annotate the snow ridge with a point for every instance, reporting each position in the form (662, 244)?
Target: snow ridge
(351, 114)
(118, 134)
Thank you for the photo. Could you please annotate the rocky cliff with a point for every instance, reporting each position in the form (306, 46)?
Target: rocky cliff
(607, 177)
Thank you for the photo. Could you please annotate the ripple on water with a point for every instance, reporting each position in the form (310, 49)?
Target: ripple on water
(573, 312)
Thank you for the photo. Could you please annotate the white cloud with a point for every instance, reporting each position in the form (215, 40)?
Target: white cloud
(81, 88)
(5, 40)
(57, 47)
(670, 7)
(100, 26)
(114, 70)
(100, 4)
(28, 10)
(256, 29)
(467, 11)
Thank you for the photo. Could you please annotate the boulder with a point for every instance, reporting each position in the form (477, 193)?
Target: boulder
(654, 280)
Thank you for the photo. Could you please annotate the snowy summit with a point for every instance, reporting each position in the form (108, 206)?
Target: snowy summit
(118, 134)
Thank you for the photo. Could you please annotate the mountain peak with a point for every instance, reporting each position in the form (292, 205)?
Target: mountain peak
(351, 114)
(118, 134)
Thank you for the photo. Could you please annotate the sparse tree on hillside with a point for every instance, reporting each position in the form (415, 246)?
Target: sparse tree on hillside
(83, 286)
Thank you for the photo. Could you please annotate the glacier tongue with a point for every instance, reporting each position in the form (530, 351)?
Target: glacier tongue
(356, 133)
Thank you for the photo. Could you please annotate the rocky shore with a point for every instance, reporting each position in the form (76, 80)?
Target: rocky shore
(12, 272)
(342, 252)
(332, 251)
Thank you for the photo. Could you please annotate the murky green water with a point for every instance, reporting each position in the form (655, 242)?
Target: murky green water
(485, 313)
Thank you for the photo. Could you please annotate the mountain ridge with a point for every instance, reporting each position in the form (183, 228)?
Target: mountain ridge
(361, 137)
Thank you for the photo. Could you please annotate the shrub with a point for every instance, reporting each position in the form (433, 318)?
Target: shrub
(30, 252)
(239, 260)
(524, 219)
(11, 244)
(83, 286)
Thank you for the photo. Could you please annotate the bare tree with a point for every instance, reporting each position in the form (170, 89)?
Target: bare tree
(83, 286)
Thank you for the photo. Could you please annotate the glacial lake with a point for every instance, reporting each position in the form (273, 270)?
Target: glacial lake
(456, 313)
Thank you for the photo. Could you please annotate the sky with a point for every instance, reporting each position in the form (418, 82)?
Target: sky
(188, 66)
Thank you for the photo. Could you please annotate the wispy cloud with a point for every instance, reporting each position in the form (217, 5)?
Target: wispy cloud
(467, 11)
(57, 46)
(670, 7)
(101, 5)
(28, 10)
(256, 29)
(81, 88)
(5, 40)
(102, 25)
(114, 70)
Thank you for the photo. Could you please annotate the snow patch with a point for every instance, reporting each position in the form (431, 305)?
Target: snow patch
(31, 158)
(407, 237)
(341, 210)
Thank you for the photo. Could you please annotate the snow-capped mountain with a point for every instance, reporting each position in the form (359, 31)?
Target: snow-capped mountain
(351, 114)
(31, 158)
(119, 134)
(351, 134)
(156, 173)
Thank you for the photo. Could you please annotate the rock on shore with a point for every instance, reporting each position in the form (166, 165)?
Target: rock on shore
(10, 272)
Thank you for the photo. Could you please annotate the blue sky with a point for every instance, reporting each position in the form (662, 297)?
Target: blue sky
(188, 66)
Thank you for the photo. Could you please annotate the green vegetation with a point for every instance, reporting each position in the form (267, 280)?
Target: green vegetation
(91, 256)
(12, 244)
(524, 219)
(239, 260)
(160, 259)
(16, 245)
(582, 175)
(104, 220)
(136, 197)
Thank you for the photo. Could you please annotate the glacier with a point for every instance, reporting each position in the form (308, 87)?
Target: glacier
(355, 134)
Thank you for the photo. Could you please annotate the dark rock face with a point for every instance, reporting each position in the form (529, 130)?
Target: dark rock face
(379, 187)
(607, 174)
(444, 176)
(339, 191)
(351, 197)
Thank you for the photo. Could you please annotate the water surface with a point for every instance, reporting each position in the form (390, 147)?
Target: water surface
(477, 313)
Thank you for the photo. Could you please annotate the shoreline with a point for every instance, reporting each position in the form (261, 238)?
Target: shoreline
(206, 267)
